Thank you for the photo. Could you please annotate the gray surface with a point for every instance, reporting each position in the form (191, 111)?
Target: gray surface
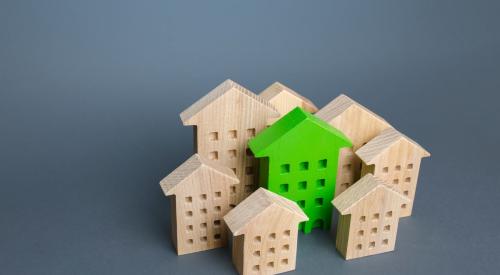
(90, 93)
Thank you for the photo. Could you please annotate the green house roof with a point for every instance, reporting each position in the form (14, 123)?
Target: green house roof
(286, 124)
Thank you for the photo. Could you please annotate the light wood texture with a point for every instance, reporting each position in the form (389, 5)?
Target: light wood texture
(285, 99)
(225, 119)
(200, 191)
(264, 228)
(360, 125)
(369, 218)
(395, 159)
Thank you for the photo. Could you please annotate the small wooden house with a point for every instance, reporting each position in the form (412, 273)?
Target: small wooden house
(360, 125)
(224, 120)
(200, 190)
(298, 160)
(394, 158)
(285, 99)
(369, 218)
(264, 228)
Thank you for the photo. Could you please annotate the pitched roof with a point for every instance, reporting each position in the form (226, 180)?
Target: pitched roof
(383, 141)
(360, 190)
(216, 93)
(280, 128)
(341, 104)
(186, 169)
(276, 88)
(256, 204)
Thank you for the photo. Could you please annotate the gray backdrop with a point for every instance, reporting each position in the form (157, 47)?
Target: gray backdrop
(90, 93)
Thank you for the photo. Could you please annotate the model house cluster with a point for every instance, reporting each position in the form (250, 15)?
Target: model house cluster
(268, 166)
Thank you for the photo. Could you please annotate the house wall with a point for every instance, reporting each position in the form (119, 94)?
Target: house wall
(312, 187)
(373, 224)
(284, 102)
(223, 131)
(201, 203)
(238, 253)
(342, 238)
(399, 167)
(270, 244)
(173, 221)
(360, 127)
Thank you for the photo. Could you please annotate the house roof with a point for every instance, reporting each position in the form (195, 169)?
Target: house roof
(288, 122)
(360, 190)
(382, 142)
(276, 88)
(218, 92)
(341, 104)
(186, 169)
(258, 203)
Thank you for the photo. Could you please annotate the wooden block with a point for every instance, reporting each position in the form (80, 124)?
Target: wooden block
(200, 191)
(298, 160)
(285, 99)
(225, 119)
(360, 125)
(264, 228)
(395, 159)
(369, 218)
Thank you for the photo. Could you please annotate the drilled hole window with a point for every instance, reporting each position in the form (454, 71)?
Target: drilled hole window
(284, 188)
(213, 136)
(322, 164)
(302, 185)
(304, 166)
(214, 155)
(232, 134)
(320, 183)
(285, 168)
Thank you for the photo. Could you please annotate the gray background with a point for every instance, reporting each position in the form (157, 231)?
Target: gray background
(90, 93)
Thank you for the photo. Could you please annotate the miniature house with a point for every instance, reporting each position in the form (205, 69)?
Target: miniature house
(360, 125)
(369, 218)
(264, 228)
(225, 119)
(201, 190)
(285, 99)
(394, 158)
(298, 158)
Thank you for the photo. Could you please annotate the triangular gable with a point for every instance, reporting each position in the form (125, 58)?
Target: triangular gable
(267, 137)
(188, 168)
(361, 190)
(381, 143)
(277, 88)
(341, 104)
(259, 203)
(218, 92)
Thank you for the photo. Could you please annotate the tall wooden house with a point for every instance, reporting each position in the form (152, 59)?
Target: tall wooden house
(394, 158)
(200, 190)
(285, 99)
(360, 125)
(224, 120)
(369, 218)
(264, 228)
(298, 159)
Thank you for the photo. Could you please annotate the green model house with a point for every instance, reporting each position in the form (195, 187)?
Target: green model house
(298, 160)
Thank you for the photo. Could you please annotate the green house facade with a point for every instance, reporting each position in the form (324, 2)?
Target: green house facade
(298, 158)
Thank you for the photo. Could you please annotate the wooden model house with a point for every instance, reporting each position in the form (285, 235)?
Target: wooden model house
(360, 125)
(369, 217)
(264, 228)
(201, 189)
(285, 99)
(225, 119)
(394, 158)
(298, 160)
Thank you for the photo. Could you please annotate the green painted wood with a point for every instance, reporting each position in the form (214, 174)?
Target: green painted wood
(298, 158)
